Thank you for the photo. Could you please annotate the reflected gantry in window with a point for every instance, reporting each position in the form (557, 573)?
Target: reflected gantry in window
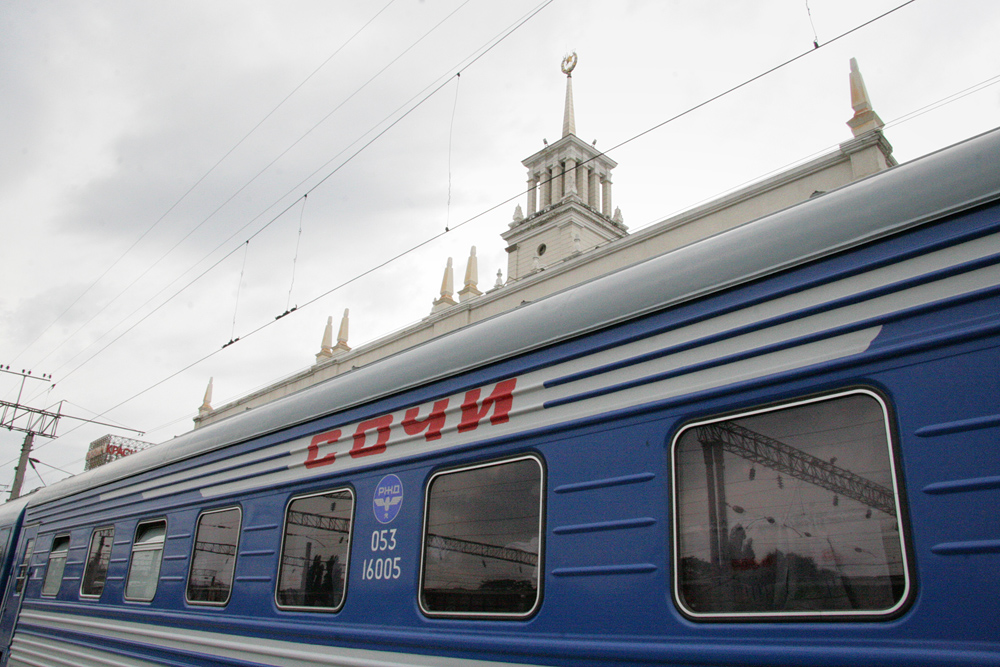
(315, 551)
(789, 511)
(144, 567)
(213, 562)
(98, 557)
(57, 565)
(482, 536)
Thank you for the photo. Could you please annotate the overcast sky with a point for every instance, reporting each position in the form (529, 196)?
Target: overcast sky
(143, 144)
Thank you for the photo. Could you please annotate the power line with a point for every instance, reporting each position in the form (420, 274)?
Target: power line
(182, 198)
(467, 62)
(434, 237)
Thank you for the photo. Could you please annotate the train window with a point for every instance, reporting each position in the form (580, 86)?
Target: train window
(98, 558)
(482, 534)
(315, 550)
(4, 538)
(213, 562)
(22, 569)
(144, 567)
(789, 511)
(57, 564)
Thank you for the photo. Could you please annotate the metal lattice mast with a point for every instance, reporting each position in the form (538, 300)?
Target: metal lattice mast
(483, 550)
(787, 459)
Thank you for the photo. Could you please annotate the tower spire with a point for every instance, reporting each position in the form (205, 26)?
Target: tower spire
(865, 119)
(206, 404)
(569, 118)
(569, 200)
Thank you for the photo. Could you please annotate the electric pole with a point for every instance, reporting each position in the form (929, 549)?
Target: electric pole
(32, 422)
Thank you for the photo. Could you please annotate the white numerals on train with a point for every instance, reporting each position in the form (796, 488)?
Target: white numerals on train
(382, 568)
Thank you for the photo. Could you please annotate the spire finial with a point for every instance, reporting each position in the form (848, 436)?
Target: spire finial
(326, 347)
(446, 299)
(206, 404)
(471, 287)
(865, 119)
(569, 118)
(342, 333)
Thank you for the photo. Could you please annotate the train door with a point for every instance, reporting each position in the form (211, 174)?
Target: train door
(17, 584)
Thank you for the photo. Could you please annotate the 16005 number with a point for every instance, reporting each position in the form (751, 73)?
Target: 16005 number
(380, 568)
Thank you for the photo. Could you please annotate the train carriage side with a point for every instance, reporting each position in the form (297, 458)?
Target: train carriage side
(11, 518)
(757, 453)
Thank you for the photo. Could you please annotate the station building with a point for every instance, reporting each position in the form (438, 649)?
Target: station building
(570, 231)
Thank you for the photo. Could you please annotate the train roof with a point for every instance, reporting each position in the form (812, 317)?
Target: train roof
(948, 181)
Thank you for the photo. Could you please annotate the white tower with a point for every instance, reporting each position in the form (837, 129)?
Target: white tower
(569, 207)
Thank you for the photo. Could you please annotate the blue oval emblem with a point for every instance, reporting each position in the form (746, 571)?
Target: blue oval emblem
(388, 499)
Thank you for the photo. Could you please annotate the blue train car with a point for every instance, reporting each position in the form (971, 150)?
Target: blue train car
(776, 446)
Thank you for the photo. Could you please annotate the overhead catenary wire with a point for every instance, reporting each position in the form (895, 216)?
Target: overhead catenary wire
(464, 64)
(295, 258)
(812, 25)
(468, 61)
(897, 121)
(239, 286)
(178, 202)
(494, 207)
(451, 134)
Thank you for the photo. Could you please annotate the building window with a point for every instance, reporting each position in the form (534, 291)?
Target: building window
(57, 564)
(22, 569)
(213, 562)
(96, 571)
(144, 566)
(482, 538)
(789, 511)
(315, 551)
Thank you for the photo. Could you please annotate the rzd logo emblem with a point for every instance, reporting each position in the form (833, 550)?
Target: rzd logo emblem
(388, 499)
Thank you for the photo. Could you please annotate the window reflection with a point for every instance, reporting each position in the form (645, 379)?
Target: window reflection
(98, 558)
(214, 560)
(789, 510)
(481, 546)
(57, 565)
(315, 551)
(144, 567)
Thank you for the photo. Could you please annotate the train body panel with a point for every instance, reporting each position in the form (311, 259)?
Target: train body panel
(773, 447)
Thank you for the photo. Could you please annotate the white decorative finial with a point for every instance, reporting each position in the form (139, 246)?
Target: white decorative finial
(518, 214)
(342, 333)
(569, 118)
(865, 119)
(326, 347)
(499, 282)
(206, 404)
(448, 281)
(471, 288)
(447, 289)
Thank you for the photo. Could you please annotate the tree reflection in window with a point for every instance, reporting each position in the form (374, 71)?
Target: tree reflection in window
(213, 562)
(315, 550)
(789, 511)
(481, 543)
